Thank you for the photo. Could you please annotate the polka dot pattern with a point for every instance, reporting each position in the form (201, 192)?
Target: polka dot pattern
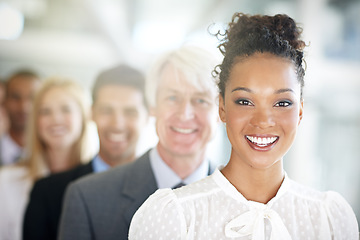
(204, 209)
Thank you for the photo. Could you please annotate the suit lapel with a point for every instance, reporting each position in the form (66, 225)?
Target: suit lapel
(139, 184)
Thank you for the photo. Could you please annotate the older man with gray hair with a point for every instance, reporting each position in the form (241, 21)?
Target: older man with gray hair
(182, 96)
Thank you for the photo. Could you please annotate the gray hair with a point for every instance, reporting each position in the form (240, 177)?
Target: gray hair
(194, 62)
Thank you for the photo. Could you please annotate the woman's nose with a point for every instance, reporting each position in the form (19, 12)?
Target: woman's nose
(263, 119)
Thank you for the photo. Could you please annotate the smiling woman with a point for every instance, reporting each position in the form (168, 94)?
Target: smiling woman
(56, 132)
(261, 81)
(61, 123)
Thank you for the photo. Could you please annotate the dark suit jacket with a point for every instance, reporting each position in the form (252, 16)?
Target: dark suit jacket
(101, 206)
(43, 211)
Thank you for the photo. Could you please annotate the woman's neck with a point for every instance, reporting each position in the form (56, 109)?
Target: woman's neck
(59, 160)
(259, 185)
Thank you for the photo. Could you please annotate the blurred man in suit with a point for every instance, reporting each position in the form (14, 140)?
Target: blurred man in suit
(120, 113)
(20, 89)
(182, 97)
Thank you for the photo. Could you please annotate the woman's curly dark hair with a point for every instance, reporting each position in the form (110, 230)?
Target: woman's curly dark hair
(247, 35)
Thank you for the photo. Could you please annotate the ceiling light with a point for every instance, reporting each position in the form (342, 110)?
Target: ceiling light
(11, 22)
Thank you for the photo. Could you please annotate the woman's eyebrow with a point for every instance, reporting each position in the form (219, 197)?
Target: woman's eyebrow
(283, 90)
(279, 91)
(242, 89)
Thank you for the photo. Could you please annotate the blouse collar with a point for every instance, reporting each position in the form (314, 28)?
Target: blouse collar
(224, 183)
(251, 223)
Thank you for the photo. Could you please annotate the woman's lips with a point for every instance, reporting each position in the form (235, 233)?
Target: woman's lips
(262, 143)
(58, 130)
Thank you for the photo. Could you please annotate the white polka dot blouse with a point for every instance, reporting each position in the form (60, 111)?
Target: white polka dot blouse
(212, 208)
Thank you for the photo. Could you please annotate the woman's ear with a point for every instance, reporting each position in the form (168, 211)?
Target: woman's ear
(222, 109)
(301, 111)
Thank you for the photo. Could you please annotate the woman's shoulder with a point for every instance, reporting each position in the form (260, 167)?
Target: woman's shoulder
(14, 178)
(328, 205)
(160, 201)
(158, 213)
(200, 189)
(13, 172)
(14, 185)
(310, 194)
(161, 197)
(167, 197)
(166, 209)
(332, 201)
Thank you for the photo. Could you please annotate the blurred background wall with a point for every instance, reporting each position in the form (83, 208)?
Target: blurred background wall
(79, 38)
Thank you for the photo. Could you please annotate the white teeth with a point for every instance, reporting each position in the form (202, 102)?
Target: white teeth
(262, 141)
(117, 137)
(183, 130)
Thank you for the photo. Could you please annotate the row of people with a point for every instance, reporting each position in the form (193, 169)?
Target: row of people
(120, 112)
(182, 98)
(55, 142)
(261, 81)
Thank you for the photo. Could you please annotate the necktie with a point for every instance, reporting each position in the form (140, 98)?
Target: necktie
(179, 185)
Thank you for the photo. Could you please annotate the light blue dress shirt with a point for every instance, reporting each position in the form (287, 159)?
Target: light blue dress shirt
(99, 165)
(10, 151)
(167, 178)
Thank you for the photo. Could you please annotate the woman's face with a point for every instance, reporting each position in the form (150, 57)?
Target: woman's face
(262, 109)
(59, 119)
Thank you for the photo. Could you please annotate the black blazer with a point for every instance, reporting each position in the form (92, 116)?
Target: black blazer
(42, 215)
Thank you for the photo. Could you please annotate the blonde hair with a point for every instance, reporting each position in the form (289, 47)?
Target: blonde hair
(35, 149)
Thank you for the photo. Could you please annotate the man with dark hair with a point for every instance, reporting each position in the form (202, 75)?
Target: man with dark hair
(20, 89)
(120, 113)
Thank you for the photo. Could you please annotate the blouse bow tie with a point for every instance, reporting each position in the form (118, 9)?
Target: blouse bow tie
(252, 223)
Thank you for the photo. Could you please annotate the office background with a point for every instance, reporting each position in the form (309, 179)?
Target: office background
(79, 38)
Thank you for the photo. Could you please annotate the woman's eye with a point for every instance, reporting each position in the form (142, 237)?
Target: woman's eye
(283, 104)
(244, 102)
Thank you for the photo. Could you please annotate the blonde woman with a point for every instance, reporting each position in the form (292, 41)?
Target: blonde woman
(56, 135)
